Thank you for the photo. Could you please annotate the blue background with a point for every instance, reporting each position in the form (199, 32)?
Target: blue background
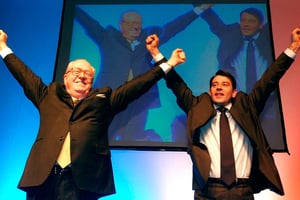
(33, 29)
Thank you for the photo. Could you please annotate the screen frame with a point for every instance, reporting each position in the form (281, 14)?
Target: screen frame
(64, 45)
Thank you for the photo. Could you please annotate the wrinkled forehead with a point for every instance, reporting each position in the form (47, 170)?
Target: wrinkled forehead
(80, 64)
(132, 16)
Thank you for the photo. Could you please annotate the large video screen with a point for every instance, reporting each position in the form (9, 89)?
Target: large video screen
(111, 36)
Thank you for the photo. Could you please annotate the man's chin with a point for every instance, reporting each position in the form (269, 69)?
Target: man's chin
(219, 102)
(80, 90)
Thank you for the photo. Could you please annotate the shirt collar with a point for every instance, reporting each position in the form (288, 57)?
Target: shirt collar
(254, 37)
(228, 106)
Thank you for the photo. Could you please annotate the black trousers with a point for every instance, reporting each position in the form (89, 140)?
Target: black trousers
(219, 191)
(59, 186)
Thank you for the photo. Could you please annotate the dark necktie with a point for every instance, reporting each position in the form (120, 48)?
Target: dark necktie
(226, 148)
(250, 66)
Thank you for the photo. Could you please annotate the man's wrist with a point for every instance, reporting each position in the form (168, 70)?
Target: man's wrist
(4, 52)
(290, 53)
(294, 47)
(157, 58)
(170, 64)
(165, 67)
(198, 10)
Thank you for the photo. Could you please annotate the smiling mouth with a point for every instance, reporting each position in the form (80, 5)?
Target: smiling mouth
(219, 94)
(79, 82)
(246, 30)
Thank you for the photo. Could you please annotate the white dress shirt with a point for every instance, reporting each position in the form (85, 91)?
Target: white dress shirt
(210, 137)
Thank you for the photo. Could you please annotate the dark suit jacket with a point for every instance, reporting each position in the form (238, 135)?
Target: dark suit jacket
(227, 33)
(112, 45)
(87, 122)
(245, 111)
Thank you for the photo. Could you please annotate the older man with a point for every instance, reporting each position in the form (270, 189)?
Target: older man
(70, 158)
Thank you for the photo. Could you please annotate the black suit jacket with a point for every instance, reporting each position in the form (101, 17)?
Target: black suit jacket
(231, 40)
(87, 122)
(245, 111)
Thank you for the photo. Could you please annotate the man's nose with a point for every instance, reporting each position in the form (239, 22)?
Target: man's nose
(81, 74)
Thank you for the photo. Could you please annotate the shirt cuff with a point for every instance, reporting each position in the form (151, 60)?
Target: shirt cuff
(198, 10)
(157, 58)
(164, 66)
(5, 52)
(290, 53)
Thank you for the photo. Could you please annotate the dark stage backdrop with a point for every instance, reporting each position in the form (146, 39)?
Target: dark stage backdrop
(91, 30)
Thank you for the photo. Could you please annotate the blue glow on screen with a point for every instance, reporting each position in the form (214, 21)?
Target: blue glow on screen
(197, 40)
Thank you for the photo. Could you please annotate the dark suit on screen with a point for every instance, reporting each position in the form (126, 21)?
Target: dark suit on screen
(232, 40)
(245, 110)
(118, 58)
(87, 122)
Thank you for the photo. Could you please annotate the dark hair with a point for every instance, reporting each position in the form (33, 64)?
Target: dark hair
(226, 74)
(255, 12)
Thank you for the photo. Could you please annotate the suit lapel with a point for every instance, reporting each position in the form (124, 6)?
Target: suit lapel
(241, 114)
(201, 113)
(63, 95)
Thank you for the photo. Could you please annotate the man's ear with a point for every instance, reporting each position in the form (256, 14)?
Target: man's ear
(65, 78)
(234, 93)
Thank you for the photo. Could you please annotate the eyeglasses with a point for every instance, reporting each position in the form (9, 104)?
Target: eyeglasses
(78, 71)
(132, 23)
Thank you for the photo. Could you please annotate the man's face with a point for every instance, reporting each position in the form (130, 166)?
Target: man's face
(249, 24)
(78, 78)
(221, 90)
(131, 25)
